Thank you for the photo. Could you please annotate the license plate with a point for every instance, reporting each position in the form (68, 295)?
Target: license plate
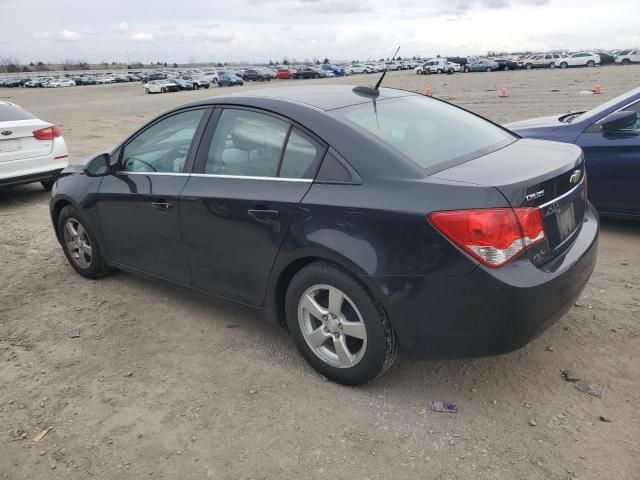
(9, 145)
(566, 221)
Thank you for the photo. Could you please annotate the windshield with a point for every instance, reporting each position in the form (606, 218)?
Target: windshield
(10, 113)
(433, 134)
(597, 112)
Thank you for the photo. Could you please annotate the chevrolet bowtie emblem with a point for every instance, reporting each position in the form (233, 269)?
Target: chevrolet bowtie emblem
(575, 177)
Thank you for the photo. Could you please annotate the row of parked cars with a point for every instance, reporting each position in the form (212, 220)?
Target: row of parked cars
(534, 60)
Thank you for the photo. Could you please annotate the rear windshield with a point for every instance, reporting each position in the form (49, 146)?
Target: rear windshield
(11, 113)
(433, 134)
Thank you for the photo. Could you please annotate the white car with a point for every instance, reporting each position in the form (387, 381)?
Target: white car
(434, 65)
(453, 67)
(371, 68)
(578, 59)
(31, 150)
(64, 82)
(160, 86)
(357, 68)
(625, 57)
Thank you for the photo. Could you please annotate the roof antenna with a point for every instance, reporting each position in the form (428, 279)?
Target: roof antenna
(374, 91)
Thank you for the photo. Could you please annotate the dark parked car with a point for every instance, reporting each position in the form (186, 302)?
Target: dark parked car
(306, 72)
(255, 75)
(609, 136)
(505, 64)
(228, 80)
(319, 207)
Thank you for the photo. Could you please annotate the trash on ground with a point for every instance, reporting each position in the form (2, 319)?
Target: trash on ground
(570, 376)
(586, 92)
(592, 388)
(533, 423)
(444, 407)
(41, 435)
(75, 333)
(602, 418)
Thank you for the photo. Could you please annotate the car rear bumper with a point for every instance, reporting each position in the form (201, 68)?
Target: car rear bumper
(30, 178)
(488, 312)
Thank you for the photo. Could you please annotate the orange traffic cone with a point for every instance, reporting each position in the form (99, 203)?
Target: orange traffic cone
(503, 92)
(428, 91)
(598, 89)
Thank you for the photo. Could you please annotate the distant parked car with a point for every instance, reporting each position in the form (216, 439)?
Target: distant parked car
(337, 71)
(196, 82)
(435, 65)
(542, 60)
(182, 84)
(160, 86)
(229, 80)
(453, 67)
(609, 136)
(371, 68)
(255, 75)
(482, 65)
(626, 57)
(306, 72)
(579, 59)
(31, 150)
(357, 68)
(506, 64)
(63, 82)
(285, 73)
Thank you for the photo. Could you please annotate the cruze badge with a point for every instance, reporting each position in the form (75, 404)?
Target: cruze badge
(533, 196)
(575, 177)
(6, 133)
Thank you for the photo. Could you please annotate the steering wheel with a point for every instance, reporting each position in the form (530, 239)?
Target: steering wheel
(131, 160)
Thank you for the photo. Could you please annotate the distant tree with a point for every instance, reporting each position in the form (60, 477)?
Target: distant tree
(285, 61)
(164, 64)
(317, 62)
(381, 60)
(325, 61)
(9, 65)
(175, 65)
(270, 62)
(219, 64)
(41, 67)
(31, 64)
(25, 69)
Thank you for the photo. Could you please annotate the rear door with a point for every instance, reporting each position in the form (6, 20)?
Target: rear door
(613, 167)
(138, 202)
(252, 171)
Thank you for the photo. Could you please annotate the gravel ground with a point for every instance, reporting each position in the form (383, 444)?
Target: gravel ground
(162, 384)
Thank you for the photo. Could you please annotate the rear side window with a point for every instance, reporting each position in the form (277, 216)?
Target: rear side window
(433, 134)
(12, 113)
(300, 156)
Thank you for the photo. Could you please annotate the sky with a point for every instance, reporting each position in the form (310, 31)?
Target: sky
(262, 30)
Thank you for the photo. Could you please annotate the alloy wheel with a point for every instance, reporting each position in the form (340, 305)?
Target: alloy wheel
(332, 326)
(77, 242)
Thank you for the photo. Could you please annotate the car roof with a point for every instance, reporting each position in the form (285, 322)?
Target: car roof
(320, 97)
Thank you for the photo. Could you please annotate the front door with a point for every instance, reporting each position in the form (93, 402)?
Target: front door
(138, 203)
(252, 171)
(613, 167)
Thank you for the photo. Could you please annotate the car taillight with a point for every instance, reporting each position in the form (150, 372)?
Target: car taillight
(492, 235)
(47, 133)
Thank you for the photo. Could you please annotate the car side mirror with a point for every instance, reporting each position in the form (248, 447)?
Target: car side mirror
(619, 121)
(98, 166)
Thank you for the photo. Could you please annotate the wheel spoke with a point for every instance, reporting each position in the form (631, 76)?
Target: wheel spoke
(71, 247)
(86, 248)
(80, 229)
(344, 356)
(313, 308)
(335, 301)
(354, 329)
(72, 231)
(317, 337)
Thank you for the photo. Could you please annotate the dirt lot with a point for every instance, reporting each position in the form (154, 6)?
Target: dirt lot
(161, 384)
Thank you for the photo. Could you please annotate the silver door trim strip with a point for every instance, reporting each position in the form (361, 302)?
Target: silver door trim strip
(566, 194)
(211, 175)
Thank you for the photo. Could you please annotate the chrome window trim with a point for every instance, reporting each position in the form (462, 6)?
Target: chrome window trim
(205, 175)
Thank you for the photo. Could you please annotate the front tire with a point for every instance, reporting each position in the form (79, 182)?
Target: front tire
(338, 326)
(626, 61)
(196, 86)
(80, 245)
(591, 63)
(564, 65)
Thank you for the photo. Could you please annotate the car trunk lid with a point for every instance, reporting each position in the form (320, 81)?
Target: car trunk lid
(535, 173)
(18, 143)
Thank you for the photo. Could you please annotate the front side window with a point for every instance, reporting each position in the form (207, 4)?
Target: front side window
(433, 134)
(164, 146)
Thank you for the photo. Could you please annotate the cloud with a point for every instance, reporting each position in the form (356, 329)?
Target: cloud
(142, 37)
(68, 36)
(123, 27)
(41, 35)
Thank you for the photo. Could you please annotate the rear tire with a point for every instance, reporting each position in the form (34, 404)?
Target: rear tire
(552, 65)
(334, 345)
(196, 86)
(591, 63)
(625, 61)
(528, 66)
(564, 65)
(82, 250)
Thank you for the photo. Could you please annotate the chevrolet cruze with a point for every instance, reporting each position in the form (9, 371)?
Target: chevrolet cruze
(365, 222)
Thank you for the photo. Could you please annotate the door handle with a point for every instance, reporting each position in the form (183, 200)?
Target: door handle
(162, 205)
(263, 216)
